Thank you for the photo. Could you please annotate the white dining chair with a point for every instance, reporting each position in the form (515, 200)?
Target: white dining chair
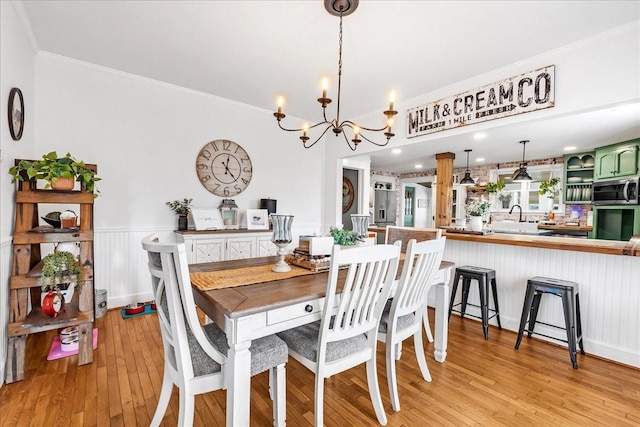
(404, 234)
(402, 315)
(195, 355)
(346, 335)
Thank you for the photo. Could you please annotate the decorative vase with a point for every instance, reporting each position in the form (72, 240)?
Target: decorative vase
(475, 223)
(183, 222)
(63, 183)
(281, 238)
(360, 224)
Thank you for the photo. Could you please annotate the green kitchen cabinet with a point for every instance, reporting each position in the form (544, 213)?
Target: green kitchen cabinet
(617, 161)
(616, 222)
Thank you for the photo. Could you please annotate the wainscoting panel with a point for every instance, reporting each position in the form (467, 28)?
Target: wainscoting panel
(5, 272)
(609, 290)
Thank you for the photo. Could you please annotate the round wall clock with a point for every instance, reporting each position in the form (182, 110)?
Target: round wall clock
(15, 111)
(224, 168)
(347, 194)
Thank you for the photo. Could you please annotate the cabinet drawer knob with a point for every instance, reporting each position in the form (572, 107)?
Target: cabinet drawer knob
(308, 308)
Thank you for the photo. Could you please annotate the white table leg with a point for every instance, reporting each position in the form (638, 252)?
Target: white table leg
(238, 378)
(442, 321)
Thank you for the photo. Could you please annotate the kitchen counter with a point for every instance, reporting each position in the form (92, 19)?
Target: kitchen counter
(563, 227)
(609, 247)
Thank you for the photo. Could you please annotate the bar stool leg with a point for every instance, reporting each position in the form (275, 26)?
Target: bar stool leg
(567, 305)
(484, 304)
(494, 290)
(579, 324)
(466, 284)
(535, 306)
(526, 308)
(454, 289)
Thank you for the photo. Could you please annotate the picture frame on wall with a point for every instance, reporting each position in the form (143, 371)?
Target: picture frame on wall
(257, 219)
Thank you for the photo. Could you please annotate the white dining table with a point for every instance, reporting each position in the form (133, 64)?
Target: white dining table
(253, 311)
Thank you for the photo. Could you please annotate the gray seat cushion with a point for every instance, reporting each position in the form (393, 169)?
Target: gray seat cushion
(403, 321)
(304, 340)
(266, 352)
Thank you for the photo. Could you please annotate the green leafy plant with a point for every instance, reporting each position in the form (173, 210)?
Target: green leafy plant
(58, 268)
(505, 197)
(478, 208)
(494, 187)
(549, 188)
(344, 237)
(180, 207)
(51, 167)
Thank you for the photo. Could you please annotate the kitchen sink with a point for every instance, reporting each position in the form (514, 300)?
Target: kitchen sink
(512, 227)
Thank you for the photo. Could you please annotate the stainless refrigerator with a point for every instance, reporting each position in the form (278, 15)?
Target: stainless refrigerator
(384, 207)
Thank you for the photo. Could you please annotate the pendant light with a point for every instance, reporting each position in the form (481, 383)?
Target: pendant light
(521, 174)
(467, 180)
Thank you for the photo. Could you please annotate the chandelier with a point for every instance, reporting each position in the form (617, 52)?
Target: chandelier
(340, 8)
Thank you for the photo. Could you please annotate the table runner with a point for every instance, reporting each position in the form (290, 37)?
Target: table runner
(242, 276)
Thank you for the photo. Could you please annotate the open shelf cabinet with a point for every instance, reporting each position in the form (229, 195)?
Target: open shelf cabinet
(25, 314)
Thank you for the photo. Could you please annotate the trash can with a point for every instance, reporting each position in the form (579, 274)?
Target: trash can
(101, 303)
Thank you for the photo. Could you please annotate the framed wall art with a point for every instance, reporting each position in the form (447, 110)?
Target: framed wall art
(207, 219)
(15, 111)
(257, 219)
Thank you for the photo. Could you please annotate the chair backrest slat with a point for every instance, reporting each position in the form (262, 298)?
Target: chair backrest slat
(420, 267)
(370, 275)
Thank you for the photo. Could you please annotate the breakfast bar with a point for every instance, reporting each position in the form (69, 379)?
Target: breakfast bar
(606, 271)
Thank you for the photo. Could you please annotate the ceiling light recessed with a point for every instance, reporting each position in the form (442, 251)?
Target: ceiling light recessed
(396, 151)
(571, 148)
(418, 166)
(480, 159)
(479, 135)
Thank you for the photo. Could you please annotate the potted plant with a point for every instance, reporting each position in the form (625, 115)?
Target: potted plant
(59, 172)
(478, 210)
(344, 237)
(549, 188)
(505, 198)
(61, 275)
(182, 208)
(494, 187)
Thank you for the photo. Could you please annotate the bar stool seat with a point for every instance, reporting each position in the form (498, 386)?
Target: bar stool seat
(486, 278)
(568, 291)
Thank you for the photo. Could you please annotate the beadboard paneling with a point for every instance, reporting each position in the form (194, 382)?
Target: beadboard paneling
(609, 290)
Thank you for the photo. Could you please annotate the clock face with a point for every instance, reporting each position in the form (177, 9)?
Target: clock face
(224, 168)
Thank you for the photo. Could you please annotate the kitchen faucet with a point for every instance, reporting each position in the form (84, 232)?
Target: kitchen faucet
(519, 207)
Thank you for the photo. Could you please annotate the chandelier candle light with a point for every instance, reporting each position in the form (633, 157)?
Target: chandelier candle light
(340, 8)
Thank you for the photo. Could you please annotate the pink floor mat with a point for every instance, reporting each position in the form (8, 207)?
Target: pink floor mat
(57, 353)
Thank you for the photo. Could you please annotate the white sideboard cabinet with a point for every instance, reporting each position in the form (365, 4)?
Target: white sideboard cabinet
(224, 245)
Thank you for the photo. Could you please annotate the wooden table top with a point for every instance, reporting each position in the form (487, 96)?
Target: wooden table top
(250, 299)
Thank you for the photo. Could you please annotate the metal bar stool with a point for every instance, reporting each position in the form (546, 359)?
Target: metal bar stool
(568, 291)
(485, 277)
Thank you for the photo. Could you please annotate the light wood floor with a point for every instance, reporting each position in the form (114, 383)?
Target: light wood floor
(481, 383)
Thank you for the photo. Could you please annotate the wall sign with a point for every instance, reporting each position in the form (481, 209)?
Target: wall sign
(516, 95)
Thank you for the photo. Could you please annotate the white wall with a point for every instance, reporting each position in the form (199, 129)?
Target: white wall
(16, 70)
(144, 136)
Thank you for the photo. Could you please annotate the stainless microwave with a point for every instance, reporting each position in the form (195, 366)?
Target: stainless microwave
(617, 192)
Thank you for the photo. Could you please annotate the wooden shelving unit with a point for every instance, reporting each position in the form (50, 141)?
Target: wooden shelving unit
(25, 314)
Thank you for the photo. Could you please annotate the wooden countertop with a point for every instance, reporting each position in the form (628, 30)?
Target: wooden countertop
(610, 247)
(565, 227)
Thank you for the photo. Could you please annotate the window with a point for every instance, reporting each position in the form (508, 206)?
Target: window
(525, 194)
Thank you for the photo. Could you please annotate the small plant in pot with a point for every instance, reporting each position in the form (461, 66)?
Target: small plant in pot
(494, 187)
(182, 208)
(61, 277)
(479, 211)
(59, 172)
(505, 198)
(344, 237)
